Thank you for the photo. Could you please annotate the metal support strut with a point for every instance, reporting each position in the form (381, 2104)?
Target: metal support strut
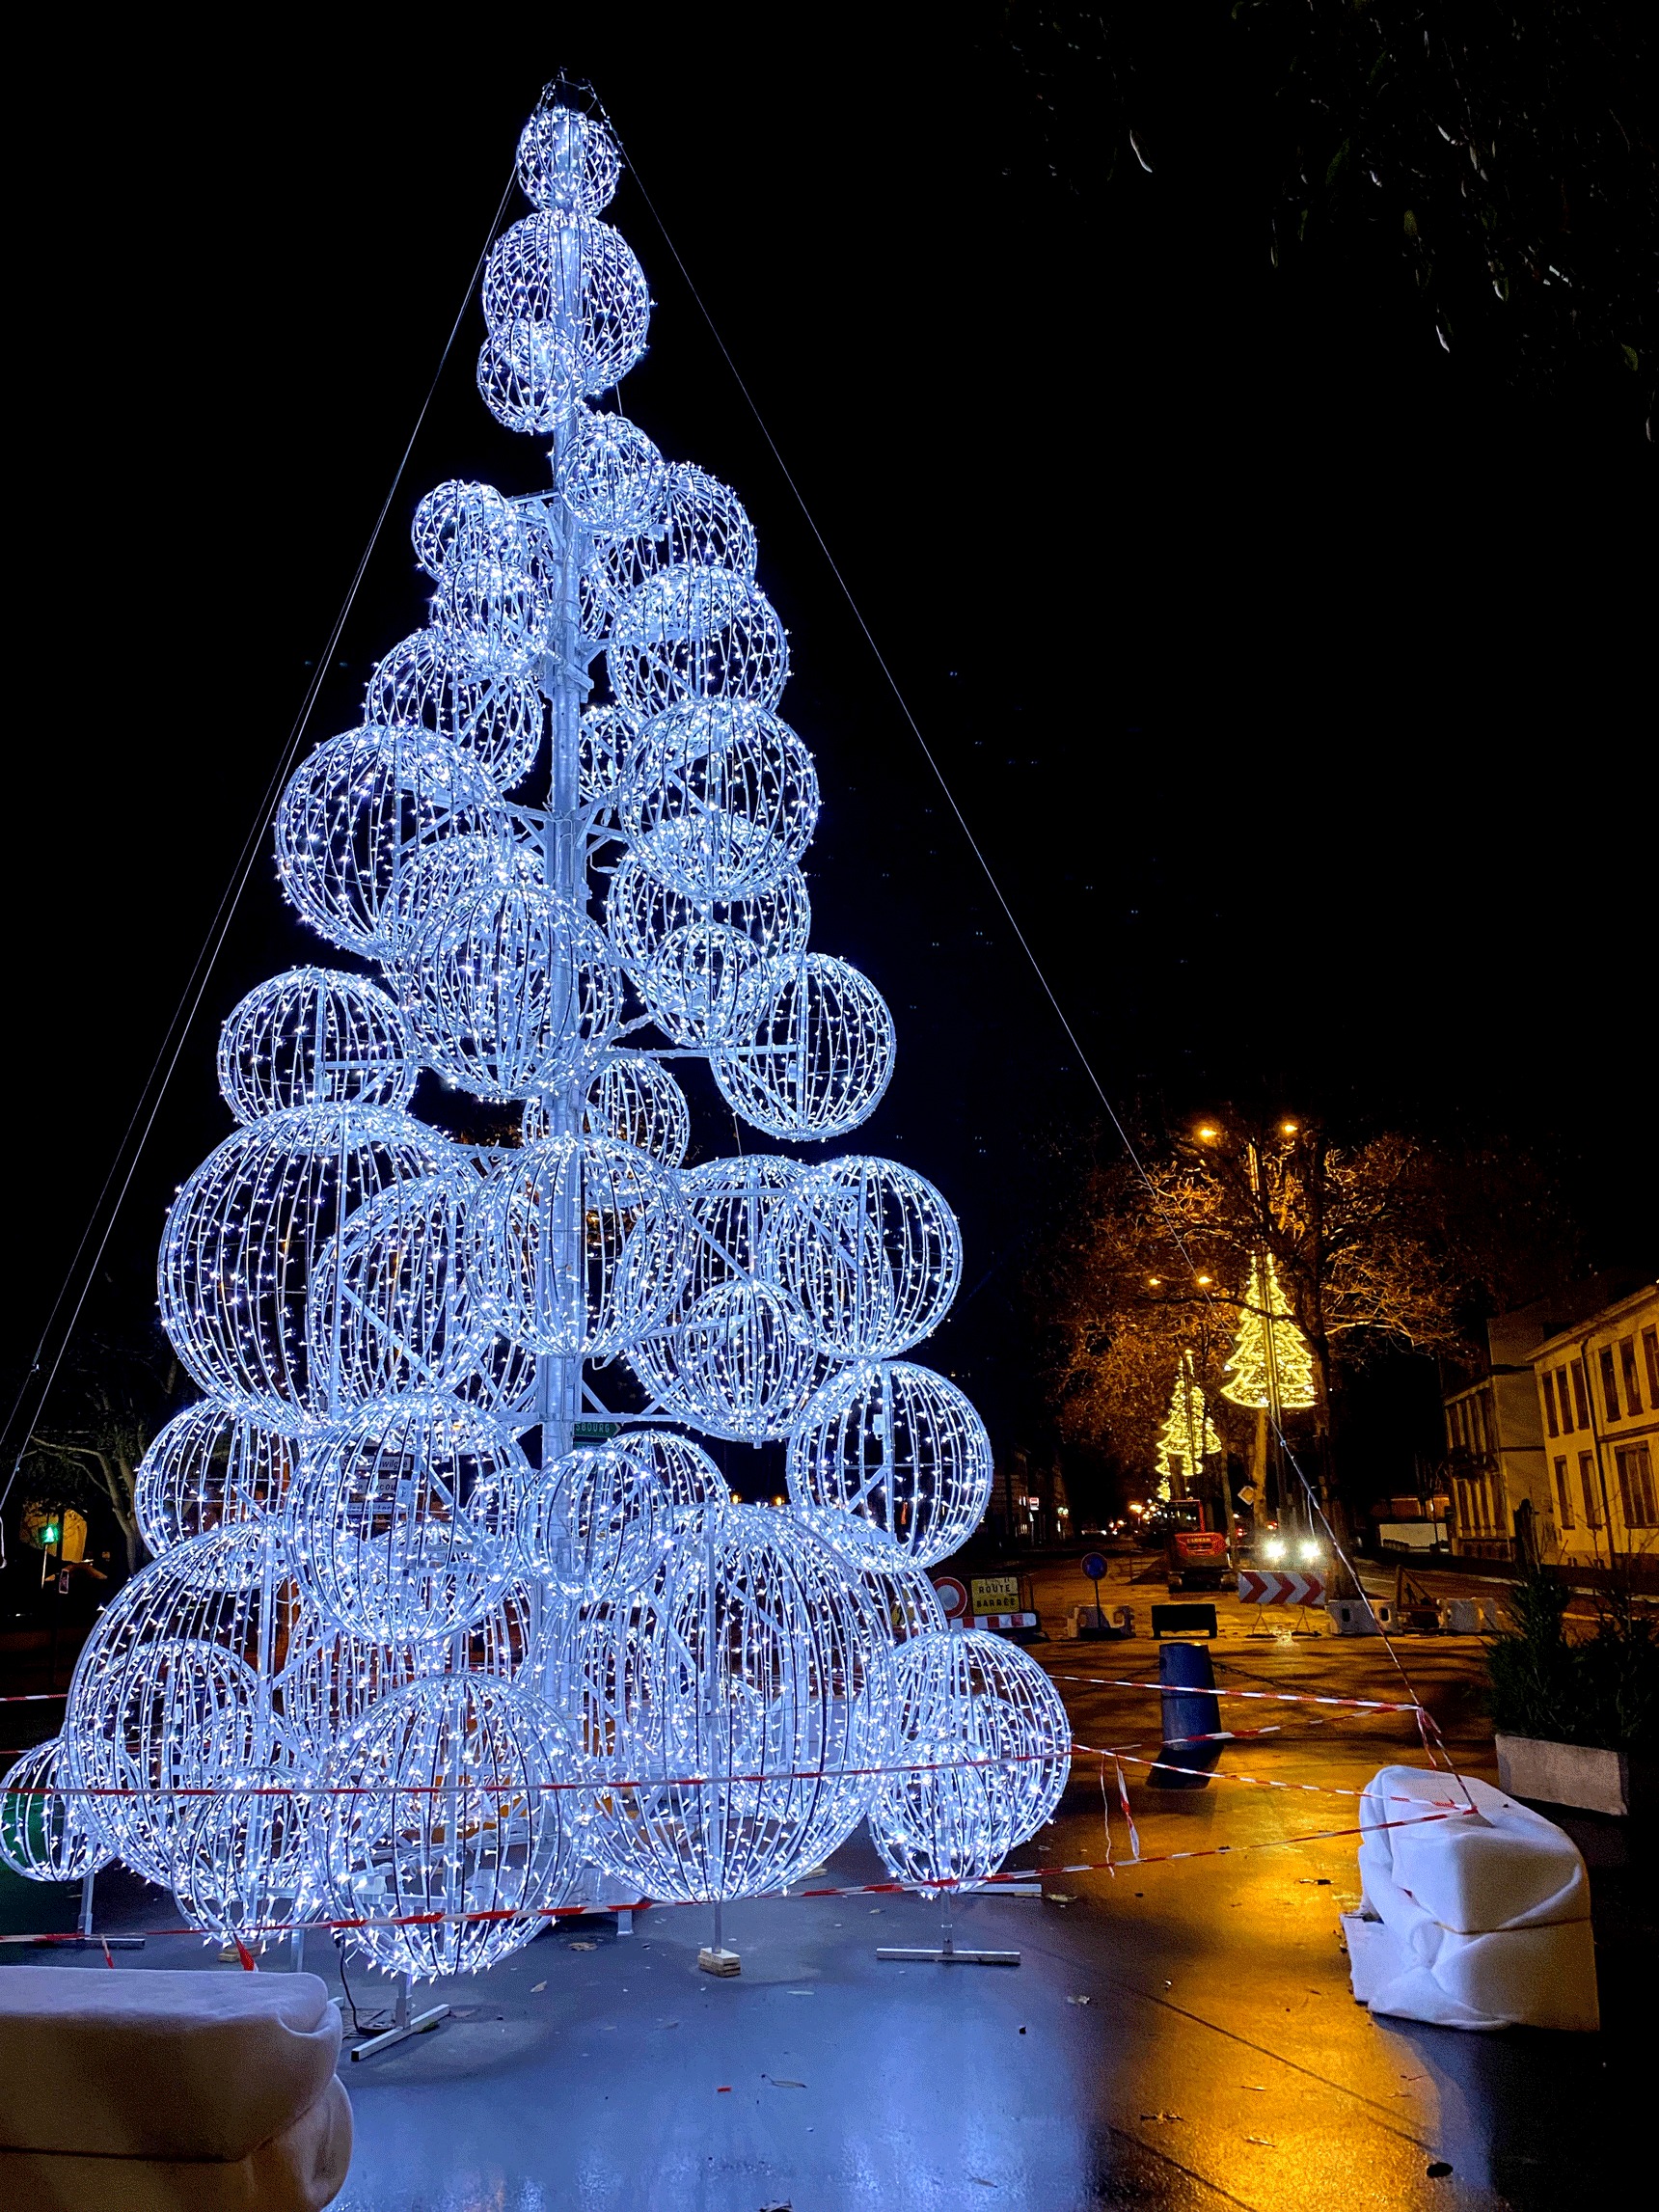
(947, 1954)
(404, 2023)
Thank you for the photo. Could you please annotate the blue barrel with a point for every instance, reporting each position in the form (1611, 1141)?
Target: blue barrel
(1187, 1672)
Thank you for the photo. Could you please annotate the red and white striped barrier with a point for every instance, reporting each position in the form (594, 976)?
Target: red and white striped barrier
(1268, 1586)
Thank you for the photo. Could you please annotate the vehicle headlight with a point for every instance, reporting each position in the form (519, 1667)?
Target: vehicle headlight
(1273, 1548)
(1310, 1555)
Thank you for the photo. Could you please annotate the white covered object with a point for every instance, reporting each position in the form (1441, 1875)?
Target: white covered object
(1469, 1921)
(195, 2092)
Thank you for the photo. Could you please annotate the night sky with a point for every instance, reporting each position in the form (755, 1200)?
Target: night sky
(1289, 671)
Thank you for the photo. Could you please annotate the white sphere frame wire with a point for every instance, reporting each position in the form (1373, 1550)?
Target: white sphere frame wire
(977, 1749)
(42, 1835)
(441, 1810)
(811, 1048)
(696, 634)
(238, 1254)
(901, 1447)
(719, 1712)
(431, 682)
(209, 1466)
(314, 1036)
(871, 1254)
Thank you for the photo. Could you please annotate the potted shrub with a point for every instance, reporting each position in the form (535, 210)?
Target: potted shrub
(1572, 1717)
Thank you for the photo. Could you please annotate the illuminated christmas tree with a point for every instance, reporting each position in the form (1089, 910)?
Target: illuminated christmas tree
(1269, 1366)
(1187, 1436)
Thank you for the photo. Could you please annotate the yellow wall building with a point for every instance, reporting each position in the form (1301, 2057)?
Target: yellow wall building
(1598, 1407)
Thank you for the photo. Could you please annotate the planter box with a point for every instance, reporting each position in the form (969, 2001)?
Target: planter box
(1563, 1773)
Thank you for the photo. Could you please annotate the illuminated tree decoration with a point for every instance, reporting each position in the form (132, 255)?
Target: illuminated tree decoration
(1187, 1436)
(1269, 1366)
(979, 1746)
(412, 1647)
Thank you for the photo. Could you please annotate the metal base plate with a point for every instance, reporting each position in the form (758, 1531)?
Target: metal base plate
(417, 2026)
(953, 1957)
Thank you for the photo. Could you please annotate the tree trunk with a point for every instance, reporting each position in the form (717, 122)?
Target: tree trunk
(1258, 1470)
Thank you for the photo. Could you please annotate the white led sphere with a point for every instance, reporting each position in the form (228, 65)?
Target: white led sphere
(431, 682)
(611, 476)
(489, 609)
(456, 514)
(240, 1860)
(693, 633)
(681, 1471)
(358, 812)
(315, 1037)
(872, 1255)
(591, 1524)
(552, 264)
(718, 1712)
(510, 990)
(733, 1205)
(901, 1447)
(209, 1465)
(528, 376)
(638, 1102)
(609, 735)
(811, 1048)
(403, 1523)
(239, 1249)
(739, 1362)
(607, 1204)
(980, 1748)
(694, 989)
(720, 798)
(394, 1306)
(642, 911)
(567, 162)
(172, 1693)
(703, 525)
(436, 1808)
(447, 873)
(43, 1836)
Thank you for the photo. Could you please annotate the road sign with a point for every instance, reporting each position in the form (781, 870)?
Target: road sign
(1093, 1566)
(1265, 1586)
(996, 1593)
(593, 1432)
(952, 1595)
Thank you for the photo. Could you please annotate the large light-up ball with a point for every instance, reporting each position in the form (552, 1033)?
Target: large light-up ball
(445, 1813)
(315, 1037)
(240, 1860)
(979, 1746)
(611, 476)
(528, 377)
(529, 282)
(591, 1524)
(429, 682)
(489, 608)
(718, 1712)
(209, 1465)
(703, 525)
(642, 912)
(696, 633)
(357, 815)
(239, 1249)
(638, 1102)
(43, 1836)
(899, 1599)
(871, 1253)
(394, 1306)
(447, 873)
(817, 1045)
(510, 990)
(171, 1693)
(739, 1362)
(720, 799)
(608, 736)
(580, 1245)
(567, 161)
(456, 514)
(403, 1523)
(901, 1447)
(694, 989)
(681, 1471)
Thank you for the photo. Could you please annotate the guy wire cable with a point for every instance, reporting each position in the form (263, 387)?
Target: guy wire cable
(196, 984)
(978, 852)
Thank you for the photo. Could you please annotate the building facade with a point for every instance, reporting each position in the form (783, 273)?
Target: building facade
(1597, 1387)
(1497, 1472)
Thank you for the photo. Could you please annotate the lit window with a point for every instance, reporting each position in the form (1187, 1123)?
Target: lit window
(1609, 1385)
(1550, 1414)
(1588, 1489)
(1580, 1394)
(1560, 1393)
(1627, 1363)
(1636, 1485)
(1564, 1493)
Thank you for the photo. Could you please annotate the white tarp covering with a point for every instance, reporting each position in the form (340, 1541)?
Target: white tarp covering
(1469, 1921)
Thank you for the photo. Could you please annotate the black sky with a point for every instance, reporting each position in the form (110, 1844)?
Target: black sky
(1291, 674)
